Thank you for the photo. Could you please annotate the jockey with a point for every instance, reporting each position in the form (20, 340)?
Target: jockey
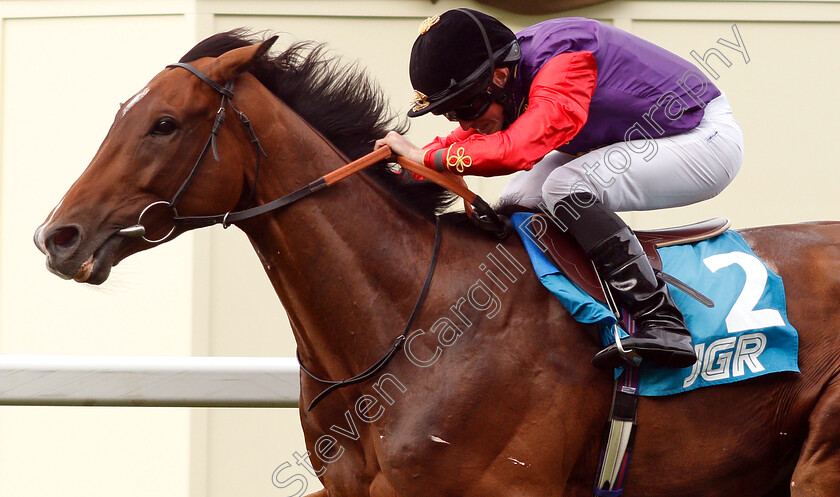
(595, 120)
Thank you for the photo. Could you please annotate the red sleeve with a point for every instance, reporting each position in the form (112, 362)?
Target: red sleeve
(558, 107)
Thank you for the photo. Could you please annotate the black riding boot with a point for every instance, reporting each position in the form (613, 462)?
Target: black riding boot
(661, 334)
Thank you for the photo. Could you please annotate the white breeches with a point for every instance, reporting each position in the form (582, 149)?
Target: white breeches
(642, 174)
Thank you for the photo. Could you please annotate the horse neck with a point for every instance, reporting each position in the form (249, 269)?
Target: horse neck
(347, 262)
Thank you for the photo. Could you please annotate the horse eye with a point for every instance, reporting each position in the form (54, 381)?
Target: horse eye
(164, 126)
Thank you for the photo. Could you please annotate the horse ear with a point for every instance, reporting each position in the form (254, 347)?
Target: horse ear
(230, 64)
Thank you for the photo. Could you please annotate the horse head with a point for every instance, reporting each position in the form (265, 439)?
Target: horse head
(151, 165)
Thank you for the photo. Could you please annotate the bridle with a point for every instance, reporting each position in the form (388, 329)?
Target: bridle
(227, 219)
(480, 212)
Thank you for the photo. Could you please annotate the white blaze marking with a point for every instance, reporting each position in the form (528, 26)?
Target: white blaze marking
(134, 100)
(439, 440)
(52, 214)
(40, 229)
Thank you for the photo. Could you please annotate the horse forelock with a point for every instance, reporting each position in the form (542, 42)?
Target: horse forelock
(339, 100)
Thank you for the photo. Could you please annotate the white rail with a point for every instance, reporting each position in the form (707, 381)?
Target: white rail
(149, 381)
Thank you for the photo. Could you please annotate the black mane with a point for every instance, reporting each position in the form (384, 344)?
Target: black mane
(338, 100)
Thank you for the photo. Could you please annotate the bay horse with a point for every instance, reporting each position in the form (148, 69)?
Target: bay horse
(500, 399)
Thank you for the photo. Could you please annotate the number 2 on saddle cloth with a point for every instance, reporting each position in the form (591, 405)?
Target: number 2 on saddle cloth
(746, 335)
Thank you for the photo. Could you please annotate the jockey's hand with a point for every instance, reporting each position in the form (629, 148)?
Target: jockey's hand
(400, 146)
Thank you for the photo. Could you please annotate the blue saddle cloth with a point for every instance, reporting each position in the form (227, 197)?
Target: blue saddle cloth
(747, 334)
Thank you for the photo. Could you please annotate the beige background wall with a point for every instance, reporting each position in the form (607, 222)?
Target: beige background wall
(66, 64)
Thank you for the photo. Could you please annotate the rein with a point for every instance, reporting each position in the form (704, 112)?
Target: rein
(477, 209)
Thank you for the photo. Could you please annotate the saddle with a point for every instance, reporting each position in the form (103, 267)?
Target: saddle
(570, 259)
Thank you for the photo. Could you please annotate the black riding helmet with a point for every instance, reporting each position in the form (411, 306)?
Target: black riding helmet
(453, 59)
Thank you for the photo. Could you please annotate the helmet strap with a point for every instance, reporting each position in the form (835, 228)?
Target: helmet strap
(504, 96)
(486, 41)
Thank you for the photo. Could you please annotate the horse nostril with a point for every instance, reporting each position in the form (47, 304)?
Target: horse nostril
(63, 239)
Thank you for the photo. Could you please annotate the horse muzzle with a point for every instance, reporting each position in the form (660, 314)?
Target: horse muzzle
(69, 257)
